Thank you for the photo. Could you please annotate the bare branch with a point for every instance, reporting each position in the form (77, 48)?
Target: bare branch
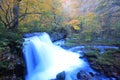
(21, 18)
(33, 13)
(7, 13)
(2, 7)
(8, 18)
(3, 21)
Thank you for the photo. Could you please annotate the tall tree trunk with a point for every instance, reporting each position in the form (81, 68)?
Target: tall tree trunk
(16, 15)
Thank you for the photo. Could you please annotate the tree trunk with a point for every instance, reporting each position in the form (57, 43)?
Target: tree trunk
(16, 15)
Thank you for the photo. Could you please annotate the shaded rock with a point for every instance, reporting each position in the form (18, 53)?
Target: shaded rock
(61, 76)
(82, 75)
(58, 34)
(78, 75)
(91, 74)
(19, 70)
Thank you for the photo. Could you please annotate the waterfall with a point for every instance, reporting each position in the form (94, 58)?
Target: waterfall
(44, 60)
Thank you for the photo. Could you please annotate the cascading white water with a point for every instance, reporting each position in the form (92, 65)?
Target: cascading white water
(45, 60)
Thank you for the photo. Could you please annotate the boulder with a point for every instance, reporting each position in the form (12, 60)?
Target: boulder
(61, 76)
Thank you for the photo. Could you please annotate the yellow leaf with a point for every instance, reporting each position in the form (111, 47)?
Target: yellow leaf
(76, 27)
(74, 22)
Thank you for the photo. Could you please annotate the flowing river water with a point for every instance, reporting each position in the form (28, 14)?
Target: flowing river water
(45, 60)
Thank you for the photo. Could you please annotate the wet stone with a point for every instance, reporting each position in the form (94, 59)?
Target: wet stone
(61, 76)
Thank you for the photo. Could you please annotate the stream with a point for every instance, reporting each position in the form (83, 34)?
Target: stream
(87, 70)
(48, 61)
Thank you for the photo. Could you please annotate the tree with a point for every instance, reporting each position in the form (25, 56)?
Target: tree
(9, 13)
(108, 12)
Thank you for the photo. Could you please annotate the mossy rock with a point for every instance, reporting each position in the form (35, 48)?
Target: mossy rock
(92, 54)
(109, 58)
(108, 63)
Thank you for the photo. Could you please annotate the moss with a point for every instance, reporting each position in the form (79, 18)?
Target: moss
(107, 63)
(92, 56)
(92, 53)
(109, 58)
(92, 59)
(103, 61)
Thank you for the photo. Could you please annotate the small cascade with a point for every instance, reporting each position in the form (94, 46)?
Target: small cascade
(44, 60)
(47, 61)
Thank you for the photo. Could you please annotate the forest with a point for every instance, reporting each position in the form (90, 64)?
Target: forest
(78, 22)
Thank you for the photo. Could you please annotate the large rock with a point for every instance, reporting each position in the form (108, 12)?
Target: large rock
(58, 34)
(61, 76)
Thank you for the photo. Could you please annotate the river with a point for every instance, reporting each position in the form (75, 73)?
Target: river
(48, 61)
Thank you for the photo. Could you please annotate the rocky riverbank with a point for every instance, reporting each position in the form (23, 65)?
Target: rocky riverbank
(107, 63)
(13, 67)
